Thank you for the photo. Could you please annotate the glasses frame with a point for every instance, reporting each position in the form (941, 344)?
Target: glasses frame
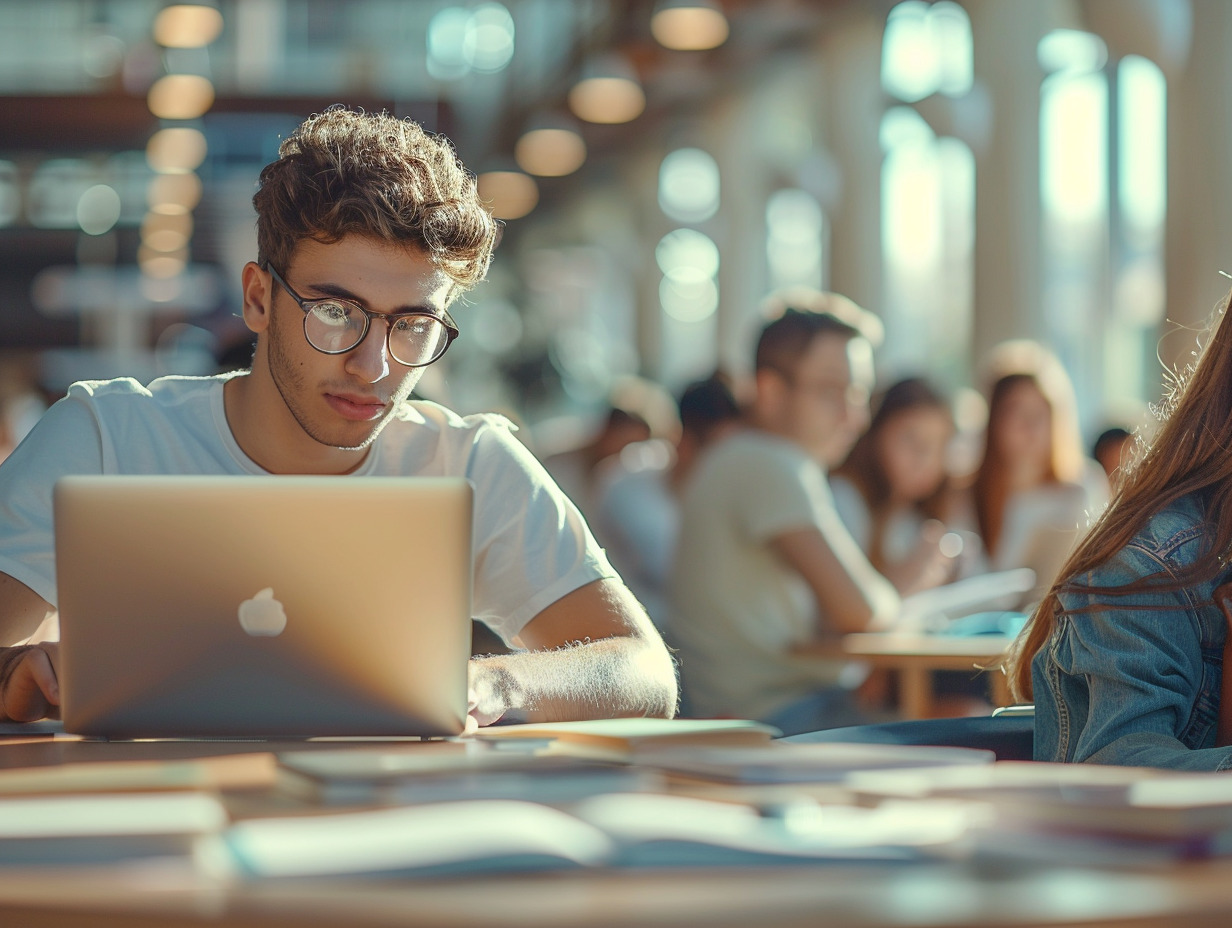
(451, 327)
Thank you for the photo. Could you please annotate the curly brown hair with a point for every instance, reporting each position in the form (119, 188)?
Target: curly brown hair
(347, 172)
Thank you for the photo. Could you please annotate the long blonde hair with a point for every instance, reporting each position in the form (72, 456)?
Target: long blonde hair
(1190, 454)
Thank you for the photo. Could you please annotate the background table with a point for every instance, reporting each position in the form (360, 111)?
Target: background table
(915, 657)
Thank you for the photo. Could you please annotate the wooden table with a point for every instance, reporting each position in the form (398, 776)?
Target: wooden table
(914, 657)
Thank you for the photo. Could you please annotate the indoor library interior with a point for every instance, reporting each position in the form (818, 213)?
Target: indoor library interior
(615, 463)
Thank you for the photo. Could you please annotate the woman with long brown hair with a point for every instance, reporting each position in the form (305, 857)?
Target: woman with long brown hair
(1124, 656)
(1034, 491)
(892, 490)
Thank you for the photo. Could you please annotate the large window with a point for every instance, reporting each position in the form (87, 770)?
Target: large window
(927, 195)
(1103, 195)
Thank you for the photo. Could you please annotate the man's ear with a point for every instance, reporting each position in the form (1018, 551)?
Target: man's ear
(770, 394)
(258, 297)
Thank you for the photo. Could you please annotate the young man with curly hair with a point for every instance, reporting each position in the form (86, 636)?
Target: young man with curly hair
(368, 228)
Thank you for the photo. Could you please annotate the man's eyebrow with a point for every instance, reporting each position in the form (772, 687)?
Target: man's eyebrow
(342, 293)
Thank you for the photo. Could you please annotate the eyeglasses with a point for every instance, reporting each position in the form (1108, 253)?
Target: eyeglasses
(832, 391)
(335, 326)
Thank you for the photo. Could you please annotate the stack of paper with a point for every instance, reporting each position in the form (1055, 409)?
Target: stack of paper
(106, 827)
(121, 811)
(627, 739)
(1097, 815)
(802, 762)
(451, 771)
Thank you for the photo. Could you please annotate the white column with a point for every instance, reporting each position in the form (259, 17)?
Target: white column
(853, 104)
(1008, 266)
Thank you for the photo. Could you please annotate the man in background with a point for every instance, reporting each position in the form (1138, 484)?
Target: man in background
(765, 566)
(638, 510)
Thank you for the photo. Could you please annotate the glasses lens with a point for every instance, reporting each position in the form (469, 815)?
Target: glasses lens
(332, 326)
(418, 340)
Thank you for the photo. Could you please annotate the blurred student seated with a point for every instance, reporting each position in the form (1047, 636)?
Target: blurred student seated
(637, 411)
(1113, 450)
(638, 515)
(764, 564)
(892, 491)
(1035, 492)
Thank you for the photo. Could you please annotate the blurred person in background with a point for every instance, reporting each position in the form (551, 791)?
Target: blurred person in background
(638, 516)
(1113, 450)
(1034, 492)
(893, 490)
(637, 410)
(764, 566)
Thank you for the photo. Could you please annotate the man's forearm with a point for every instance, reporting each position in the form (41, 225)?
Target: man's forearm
(609, 678)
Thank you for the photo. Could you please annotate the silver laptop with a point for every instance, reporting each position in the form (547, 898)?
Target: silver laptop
(263, 606)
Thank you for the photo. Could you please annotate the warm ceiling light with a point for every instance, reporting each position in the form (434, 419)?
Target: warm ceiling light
(508, 194)
(162, 233)
(550, 151)
(180, 96)
(187, 25)
(607, 92)
(165, 240)
(176, 151)
(160, 265)
(689, 25)
(173, 193)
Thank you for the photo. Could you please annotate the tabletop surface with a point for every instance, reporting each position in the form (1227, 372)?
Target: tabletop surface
(936, 893)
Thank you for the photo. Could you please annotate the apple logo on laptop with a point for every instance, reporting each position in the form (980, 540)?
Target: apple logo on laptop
(263, 615)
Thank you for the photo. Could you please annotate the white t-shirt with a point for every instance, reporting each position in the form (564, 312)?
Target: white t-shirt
(637, 520)
(736, 608)
(531, 546)
(902, 530)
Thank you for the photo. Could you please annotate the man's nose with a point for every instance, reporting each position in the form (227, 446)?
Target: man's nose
(370, 358)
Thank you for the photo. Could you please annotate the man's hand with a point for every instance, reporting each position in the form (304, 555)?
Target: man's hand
(29, 688)
(487, 693)
(592, 654)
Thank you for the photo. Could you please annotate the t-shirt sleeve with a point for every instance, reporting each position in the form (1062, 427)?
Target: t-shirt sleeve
(852, 509)
(782, 493)
(66, 440)
(531, 544)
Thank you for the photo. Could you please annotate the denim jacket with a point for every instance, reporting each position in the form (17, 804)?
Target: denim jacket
(1137, 686)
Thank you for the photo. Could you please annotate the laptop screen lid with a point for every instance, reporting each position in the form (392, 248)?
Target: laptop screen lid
(278, 606)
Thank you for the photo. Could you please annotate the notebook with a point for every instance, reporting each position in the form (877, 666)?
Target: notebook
(274, 607)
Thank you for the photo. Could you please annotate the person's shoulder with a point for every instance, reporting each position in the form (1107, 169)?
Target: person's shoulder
(1175, 528)
(1169, 540)
(167, 390)
(750, 445)
(422, 421)
(425, 413)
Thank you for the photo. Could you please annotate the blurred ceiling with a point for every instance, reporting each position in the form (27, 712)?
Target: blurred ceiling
(74, 113)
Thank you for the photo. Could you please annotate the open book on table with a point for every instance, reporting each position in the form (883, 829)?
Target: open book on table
(615, 830)
(625, 739)
(451, 771)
